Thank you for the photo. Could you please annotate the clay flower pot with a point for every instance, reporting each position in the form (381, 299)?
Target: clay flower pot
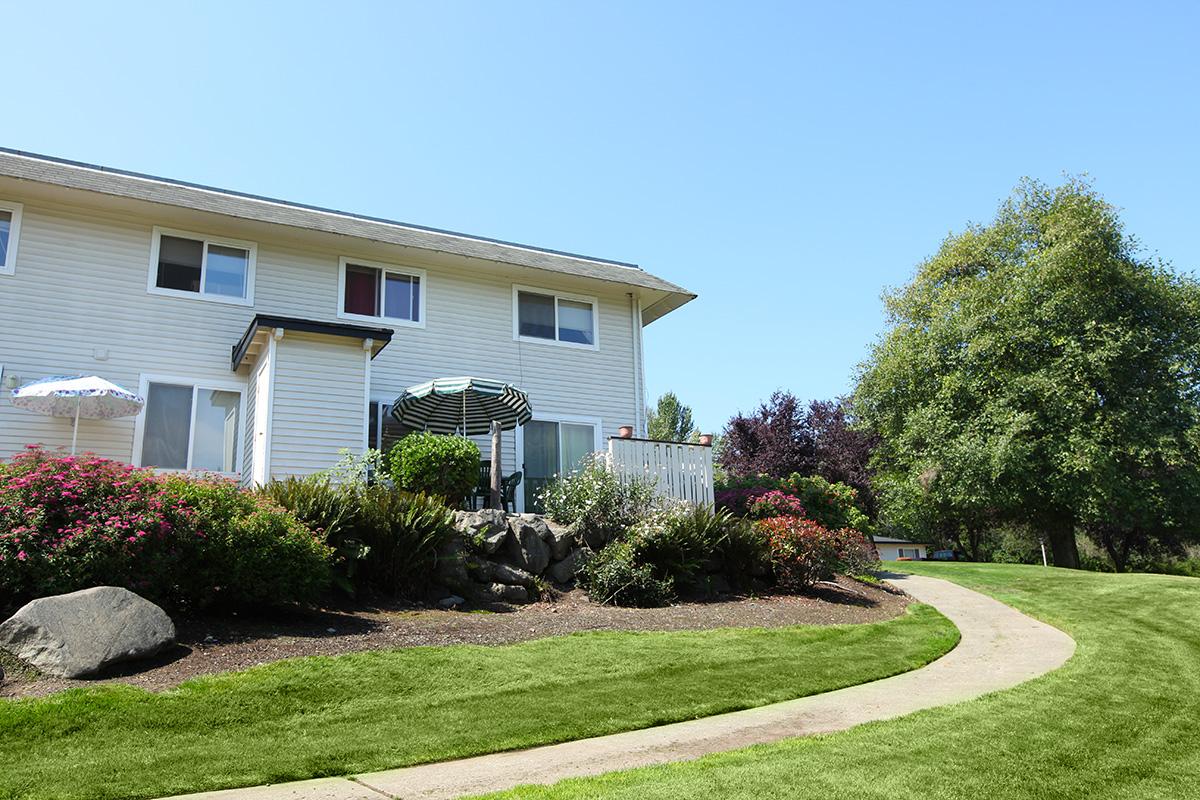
(625, 431)
(706, 439)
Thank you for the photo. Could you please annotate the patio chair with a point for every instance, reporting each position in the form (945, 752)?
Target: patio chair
(508, 490)
(483, 488)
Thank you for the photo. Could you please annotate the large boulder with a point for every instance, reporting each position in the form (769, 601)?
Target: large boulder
(564, 571)
(81, 633)
(487, 529)
(561, 539)
(512, 576)
(525, 547)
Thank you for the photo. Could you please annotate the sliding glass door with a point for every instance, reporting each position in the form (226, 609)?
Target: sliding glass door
(550, 449)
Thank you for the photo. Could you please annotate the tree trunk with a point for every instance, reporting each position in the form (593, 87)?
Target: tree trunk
(1061, 534)
(495, 465)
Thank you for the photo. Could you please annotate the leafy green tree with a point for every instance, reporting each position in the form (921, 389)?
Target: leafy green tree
(671, 420)
(1038, 371)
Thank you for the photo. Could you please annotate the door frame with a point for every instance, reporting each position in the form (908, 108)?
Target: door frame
(597, 424)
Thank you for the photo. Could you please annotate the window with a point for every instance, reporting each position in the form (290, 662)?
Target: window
(10, 231)
(381, 291)
(382, 429)
(545, 316)
(551, 448)
(190, 426)
(193, 265)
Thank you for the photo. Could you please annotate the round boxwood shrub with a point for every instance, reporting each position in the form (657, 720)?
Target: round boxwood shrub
(445, 466)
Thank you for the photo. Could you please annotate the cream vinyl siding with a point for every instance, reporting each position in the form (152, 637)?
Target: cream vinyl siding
(77, 303)
(317, 405)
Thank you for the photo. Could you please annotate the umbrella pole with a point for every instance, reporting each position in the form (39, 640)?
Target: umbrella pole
(495, 464)
(75, 427)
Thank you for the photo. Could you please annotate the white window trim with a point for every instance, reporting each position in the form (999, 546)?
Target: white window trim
(9, 266)
(196, 384)
(597, 424)
(399, 269)
(555, 342)
(251, 261)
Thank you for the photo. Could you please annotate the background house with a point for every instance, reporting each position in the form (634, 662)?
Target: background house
(891, 549)
(266, 336)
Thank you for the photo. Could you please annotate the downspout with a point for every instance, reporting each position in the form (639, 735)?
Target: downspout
(639, 378)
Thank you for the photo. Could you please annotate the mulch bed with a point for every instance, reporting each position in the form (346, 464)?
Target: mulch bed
(231, 642)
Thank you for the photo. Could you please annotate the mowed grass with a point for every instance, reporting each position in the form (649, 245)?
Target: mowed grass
(1120, 720)
(336, 715)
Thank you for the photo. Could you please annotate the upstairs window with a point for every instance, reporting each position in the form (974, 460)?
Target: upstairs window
(381, 292)
(10, 230)
(546, 316)
(198, 266)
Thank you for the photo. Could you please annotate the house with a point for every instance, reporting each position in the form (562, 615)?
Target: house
(267, 336)
(892, 549)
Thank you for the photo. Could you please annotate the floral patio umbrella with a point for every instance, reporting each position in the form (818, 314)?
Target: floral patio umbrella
(77, 397)
(468, 406)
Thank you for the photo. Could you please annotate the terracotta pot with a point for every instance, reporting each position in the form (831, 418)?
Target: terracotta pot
(706, 439)
(625, 431)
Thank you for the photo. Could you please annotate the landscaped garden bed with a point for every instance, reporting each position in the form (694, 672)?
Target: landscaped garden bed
(215, 643)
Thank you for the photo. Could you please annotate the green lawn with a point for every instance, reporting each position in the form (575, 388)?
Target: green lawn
(1120, 720)
(336, 715)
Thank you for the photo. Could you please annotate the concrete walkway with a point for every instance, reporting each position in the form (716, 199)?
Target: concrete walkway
(1000, 648)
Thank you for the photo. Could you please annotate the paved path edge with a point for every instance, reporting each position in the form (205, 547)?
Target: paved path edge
(1000, 648)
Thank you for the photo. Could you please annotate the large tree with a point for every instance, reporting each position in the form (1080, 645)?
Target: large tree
(1038, 370)
(671, 420)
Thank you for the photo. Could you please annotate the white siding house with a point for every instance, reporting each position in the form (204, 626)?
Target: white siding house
(267, 336)
(892, 549)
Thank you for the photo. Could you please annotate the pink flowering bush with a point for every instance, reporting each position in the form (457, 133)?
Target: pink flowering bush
(69, 522)
(777, 504)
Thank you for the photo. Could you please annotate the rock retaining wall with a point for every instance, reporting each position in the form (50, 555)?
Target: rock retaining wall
(509, 558)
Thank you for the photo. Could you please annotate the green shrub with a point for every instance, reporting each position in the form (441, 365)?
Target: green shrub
(446, 466)
(328, 509)
(402, 532)
(384, 539)
(596, 500)
(679, 549)
(251, 551)
(615, 575)
(831, 505)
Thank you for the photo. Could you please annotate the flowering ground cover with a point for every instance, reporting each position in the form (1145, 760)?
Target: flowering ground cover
(332, 715)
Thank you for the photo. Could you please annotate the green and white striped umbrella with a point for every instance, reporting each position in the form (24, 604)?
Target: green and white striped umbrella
(462, 405)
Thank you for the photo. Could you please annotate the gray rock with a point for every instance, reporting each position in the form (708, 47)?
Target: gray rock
(499, 592)
(561, 540)
(451, 602)
(487, 529)
(78, 634)
(512, 576)
(564, 571)
(719, 584)
(525, 547)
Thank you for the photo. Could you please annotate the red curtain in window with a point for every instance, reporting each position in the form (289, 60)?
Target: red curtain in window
(362, 288)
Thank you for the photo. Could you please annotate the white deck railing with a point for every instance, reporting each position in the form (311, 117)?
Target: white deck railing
(678, 470)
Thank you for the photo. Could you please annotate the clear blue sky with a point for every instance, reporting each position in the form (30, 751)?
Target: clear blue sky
(786, 161)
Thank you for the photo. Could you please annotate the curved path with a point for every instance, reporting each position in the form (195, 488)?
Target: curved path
(1000, 648)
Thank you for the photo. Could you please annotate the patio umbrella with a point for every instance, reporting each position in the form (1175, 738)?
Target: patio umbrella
(470, 406)
(77, 397)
